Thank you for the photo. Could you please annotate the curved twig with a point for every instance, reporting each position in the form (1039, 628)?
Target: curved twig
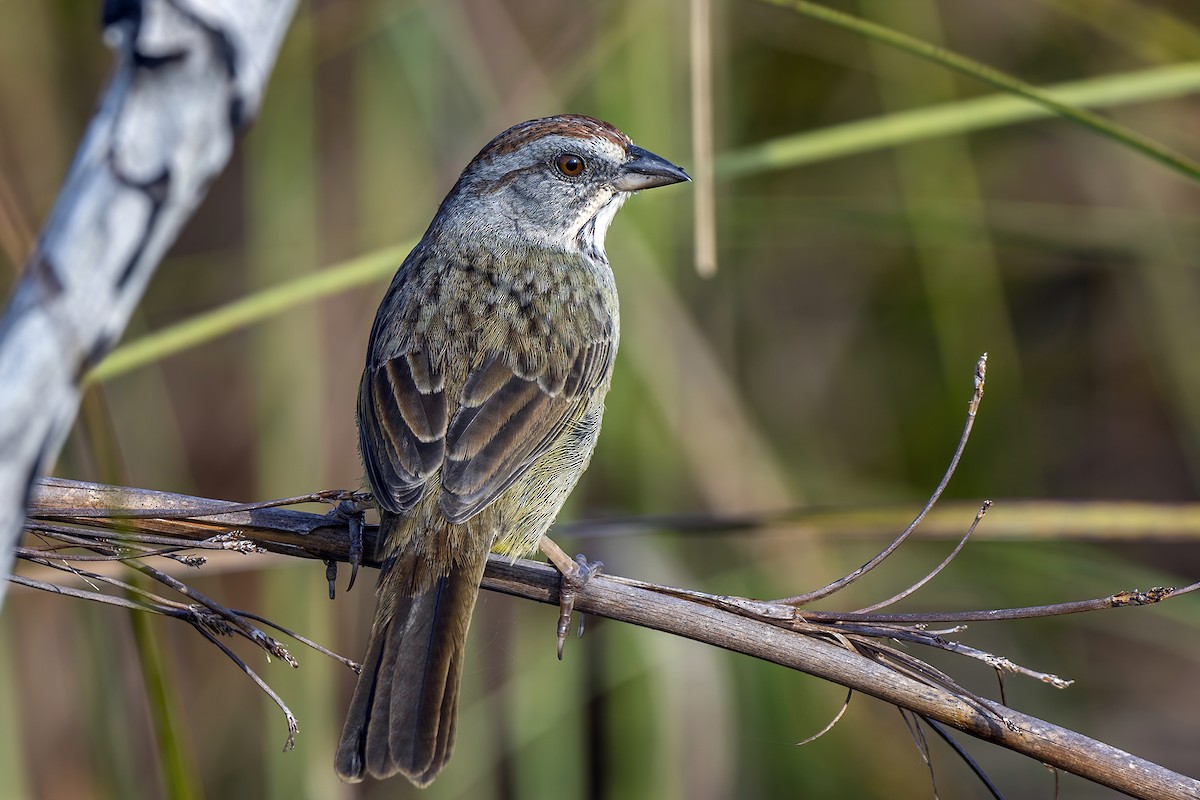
(846, 580)
(983, 509)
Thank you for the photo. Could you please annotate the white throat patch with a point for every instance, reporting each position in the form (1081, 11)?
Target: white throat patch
(591, 235)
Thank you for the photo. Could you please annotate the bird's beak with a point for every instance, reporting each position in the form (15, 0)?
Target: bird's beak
(644, 170)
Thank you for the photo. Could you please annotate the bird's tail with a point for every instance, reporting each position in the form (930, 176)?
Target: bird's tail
(403, 713)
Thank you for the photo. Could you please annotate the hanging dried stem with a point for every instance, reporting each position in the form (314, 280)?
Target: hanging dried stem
(828, 727)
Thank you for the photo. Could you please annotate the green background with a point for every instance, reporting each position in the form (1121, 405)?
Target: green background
(826, 366)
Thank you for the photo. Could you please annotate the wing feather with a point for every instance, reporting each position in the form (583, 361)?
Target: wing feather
(492, 442)
(482, 436)
(402, 423)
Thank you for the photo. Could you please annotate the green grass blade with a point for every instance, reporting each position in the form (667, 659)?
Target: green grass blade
(790, 151)
(981, 72)
(249, 310)
(961, 116)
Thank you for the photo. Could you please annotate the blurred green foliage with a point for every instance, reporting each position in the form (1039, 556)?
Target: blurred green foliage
(826, 365)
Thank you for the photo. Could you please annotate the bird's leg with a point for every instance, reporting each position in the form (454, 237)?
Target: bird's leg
(575, 574)
(351, 510)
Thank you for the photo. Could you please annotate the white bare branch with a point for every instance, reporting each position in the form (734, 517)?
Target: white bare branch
(190, 74)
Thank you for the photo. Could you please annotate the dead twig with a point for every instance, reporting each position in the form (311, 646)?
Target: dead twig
(846, 580)
(850, 648)
(825, 644)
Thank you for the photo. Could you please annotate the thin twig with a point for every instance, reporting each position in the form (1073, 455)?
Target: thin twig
(95, 597)
(224, 541)
(236, 622)
(926, 673)
(931, 639)
(48, 552)
(911, 722)
(209, 508)
(256, 635)
(983, 509)
(1131, 597)
(354, 665)
(95, 577)
(836, 718)
(292, 725)
(843, 582)
(965, 756)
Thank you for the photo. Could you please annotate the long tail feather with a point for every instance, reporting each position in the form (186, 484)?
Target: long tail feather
(402, 715)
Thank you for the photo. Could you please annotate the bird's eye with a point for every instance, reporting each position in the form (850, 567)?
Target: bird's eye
(570, 164)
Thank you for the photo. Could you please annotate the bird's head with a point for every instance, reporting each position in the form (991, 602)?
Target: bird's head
(554, 182)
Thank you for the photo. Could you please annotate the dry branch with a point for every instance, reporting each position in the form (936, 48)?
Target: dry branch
(828, 645)
(190, 75)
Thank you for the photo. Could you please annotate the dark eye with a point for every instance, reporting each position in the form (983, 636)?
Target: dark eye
(569, 164)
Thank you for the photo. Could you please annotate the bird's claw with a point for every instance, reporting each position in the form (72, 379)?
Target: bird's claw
(356, 548)
(331, 576)
(573, 579)
(352, 511)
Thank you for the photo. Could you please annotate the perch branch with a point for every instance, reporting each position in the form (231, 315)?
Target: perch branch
(830, 645)
(1051, 744)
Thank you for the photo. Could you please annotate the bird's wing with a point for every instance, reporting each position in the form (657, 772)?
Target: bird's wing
(505, 422)
(401, 428)
(501, 424)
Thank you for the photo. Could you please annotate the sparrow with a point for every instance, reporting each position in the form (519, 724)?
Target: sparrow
(479, 408)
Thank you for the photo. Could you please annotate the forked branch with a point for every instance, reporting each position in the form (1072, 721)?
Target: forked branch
(854, 649)
(846, 648)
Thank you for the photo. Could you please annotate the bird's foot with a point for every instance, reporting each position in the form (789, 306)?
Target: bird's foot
(352, 510)
(576, 573)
